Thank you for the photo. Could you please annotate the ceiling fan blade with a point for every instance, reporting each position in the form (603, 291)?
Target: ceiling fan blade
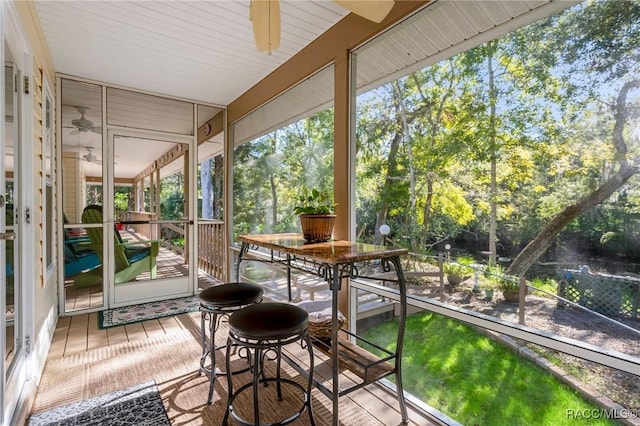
(74, 132)
(373, 10)
(97, 130)
(92, 160)
(265, 18)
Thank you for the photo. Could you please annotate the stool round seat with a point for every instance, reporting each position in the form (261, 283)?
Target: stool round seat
(216, 303)
(230, 295)
(269, 321)
(262, 328)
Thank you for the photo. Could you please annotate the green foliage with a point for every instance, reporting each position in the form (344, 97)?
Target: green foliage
(603, 34)
(461, 267)
(456, 269)
(314, 202)
(495, 276)
(465, 260)
(172, 197)
(427, 143)
(545, 285)
(120, 202)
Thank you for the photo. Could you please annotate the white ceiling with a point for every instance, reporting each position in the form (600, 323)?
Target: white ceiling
(197, 50)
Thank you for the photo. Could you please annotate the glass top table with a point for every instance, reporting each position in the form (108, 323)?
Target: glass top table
(336, 261)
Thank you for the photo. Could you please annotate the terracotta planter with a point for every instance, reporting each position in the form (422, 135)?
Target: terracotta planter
(511, 296)
(454, 280)
(317, 228)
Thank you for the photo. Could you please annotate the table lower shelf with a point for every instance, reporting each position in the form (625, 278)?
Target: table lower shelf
(365, 365)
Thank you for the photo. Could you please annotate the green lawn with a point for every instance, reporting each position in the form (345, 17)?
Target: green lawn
(476, 380)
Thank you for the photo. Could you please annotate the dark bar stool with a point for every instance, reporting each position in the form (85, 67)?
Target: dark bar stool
(215, 303)
(269, 327)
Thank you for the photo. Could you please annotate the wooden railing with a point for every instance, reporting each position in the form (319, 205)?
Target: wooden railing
(171, 233)
(211, 255)
(145, 229)
(211, 252)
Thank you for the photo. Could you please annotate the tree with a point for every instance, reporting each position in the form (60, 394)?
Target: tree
(626, 169)
(603, 41)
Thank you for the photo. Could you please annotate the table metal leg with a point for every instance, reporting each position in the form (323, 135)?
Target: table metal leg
(243, 249)
(400, 338)
(335, 288)
(289, 276)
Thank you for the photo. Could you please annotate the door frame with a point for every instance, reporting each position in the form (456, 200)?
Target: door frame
(15, 384)
(156, 289)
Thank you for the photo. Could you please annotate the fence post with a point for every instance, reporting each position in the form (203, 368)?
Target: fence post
(522, 295)
(441, 275)
(562, 292)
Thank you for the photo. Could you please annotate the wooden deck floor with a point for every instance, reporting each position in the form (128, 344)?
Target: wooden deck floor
(169, 265)
(85, 361)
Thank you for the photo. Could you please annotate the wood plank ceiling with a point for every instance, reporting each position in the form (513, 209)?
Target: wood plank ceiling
(197, 50)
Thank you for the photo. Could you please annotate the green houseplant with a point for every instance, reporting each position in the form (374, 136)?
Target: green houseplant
(316, 211)
(510, 288)
(457, 271)
(508, 285)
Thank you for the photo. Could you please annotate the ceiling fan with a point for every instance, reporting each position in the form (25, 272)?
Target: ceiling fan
(265, 18)
(90, 157)
(82, 124)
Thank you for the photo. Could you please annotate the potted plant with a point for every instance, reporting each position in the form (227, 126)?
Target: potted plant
(315, 209)
(489, 290)
(508, 285)
(457, 272)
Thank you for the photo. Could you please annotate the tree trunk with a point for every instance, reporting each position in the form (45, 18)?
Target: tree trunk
(218, 174)
(207, 189)
(543, 240)
(428, 201)
(274, 198)
(493, 146)
(383, 205)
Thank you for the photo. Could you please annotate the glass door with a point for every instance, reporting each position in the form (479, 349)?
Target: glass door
(150, 217)
(13, 301)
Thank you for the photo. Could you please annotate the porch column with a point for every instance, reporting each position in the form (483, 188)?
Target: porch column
(343, 182)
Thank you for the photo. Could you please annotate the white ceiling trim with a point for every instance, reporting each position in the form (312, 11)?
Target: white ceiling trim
(442, 30)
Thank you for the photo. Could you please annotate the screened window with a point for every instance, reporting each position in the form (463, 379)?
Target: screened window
(282, 147)
(483, 129)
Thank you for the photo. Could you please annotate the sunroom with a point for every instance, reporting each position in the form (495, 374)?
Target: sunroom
(194, 158)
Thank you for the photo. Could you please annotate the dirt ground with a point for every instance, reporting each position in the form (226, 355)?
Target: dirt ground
(575, 323)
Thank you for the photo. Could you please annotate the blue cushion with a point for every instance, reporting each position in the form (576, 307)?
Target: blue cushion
(139, 256)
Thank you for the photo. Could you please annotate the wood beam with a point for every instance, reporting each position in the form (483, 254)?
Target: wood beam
(116, 181)
(213, 127)
(173, 154)
(349, 33)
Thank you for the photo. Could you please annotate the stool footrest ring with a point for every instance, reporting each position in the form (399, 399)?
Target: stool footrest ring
(286, 421)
